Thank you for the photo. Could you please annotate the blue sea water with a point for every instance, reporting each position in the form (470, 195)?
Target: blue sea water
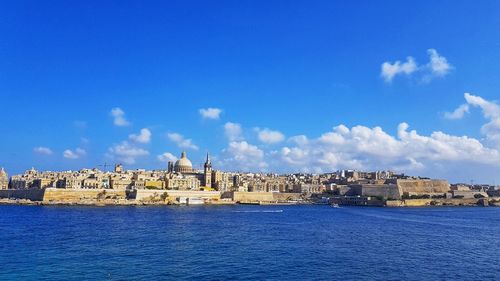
(248, 243)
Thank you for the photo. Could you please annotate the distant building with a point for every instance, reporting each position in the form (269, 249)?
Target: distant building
(4, 179)
(207, 172)
(183, 165)
(118, 168)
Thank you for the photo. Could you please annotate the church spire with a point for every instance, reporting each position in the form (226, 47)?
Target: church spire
(208, 172)
(208, 163)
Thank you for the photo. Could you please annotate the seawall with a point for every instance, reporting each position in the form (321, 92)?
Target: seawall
(145, 195)
(434, 202)
(64, 195)
(264, 196)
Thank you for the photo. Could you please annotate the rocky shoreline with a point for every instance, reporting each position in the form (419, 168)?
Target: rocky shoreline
(124, 202)
(99, 203)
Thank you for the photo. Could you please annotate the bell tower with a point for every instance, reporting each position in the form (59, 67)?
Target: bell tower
(208, 172)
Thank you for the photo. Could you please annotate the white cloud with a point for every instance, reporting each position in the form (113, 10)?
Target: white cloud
(126, 152)
(119, 117)
(181, 142)
(438, 66)
(299, 140)
(491, 111)
(390, 70)
(233, 131)
(210, 113)
(243, 156)
(269, 136)
(76, 154)
(438, 154)
(363, 148)
(458, 113)
(143, 137)
(166, 157)
(366, 148)
(43, 150)
(68, 154)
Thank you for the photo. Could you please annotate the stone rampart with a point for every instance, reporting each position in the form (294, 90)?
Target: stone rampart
(432, 202)
(388, 191)
(350, 190)
(253, 196)
(145, 194)
(29, 194)
(63, 195)
(78, 195)
(423, 186)
(286, 196)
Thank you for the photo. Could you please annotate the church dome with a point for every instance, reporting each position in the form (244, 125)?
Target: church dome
(3, 174)
(4, 179)
(183, 165)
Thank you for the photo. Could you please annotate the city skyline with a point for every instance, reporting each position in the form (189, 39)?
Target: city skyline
(285, 92)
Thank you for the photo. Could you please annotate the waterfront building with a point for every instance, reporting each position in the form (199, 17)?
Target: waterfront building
(183, 177)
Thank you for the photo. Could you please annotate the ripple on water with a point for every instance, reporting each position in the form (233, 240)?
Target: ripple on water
(248, 242)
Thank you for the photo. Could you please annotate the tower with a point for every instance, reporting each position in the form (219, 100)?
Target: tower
(208, 172)
(4, 179)
(118, 168)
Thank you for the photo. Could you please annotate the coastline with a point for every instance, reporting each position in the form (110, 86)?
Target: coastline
(120, 203)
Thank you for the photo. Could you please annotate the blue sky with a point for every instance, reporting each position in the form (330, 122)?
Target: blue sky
(279, 69)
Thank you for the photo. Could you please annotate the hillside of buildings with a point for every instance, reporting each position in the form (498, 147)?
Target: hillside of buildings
(179, 183)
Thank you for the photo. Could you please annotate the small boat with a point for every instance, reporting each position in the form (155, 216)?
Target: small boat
(335, 205)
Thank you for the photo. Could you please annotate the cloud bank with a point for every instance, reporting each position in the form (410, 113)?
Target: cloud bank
(372, 148)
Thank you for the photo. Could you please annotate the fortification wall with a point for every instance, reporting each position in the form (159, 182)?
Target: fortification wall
(390, 191)
(423, 186)
(350, 190)
(62, 195)
(78, 195)
(432, 202)
(29, 194)
(144, 194)
(286, 196)
(253, 196)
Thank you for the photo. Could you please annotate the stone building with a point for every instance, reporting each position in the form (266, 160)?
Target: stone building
(183, 165)
(207, 173)
(118, 168)
(4, 179)
(183, 182)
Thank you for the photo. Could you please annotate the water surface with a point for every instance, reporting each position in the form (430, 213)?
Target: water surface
(249, 242)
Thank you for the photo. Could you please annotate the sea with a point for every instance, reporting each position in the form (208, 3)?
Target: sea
(310, 242)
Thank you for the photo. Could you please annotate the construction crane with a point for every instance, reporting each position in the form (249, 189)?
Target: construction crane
(105, 166)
